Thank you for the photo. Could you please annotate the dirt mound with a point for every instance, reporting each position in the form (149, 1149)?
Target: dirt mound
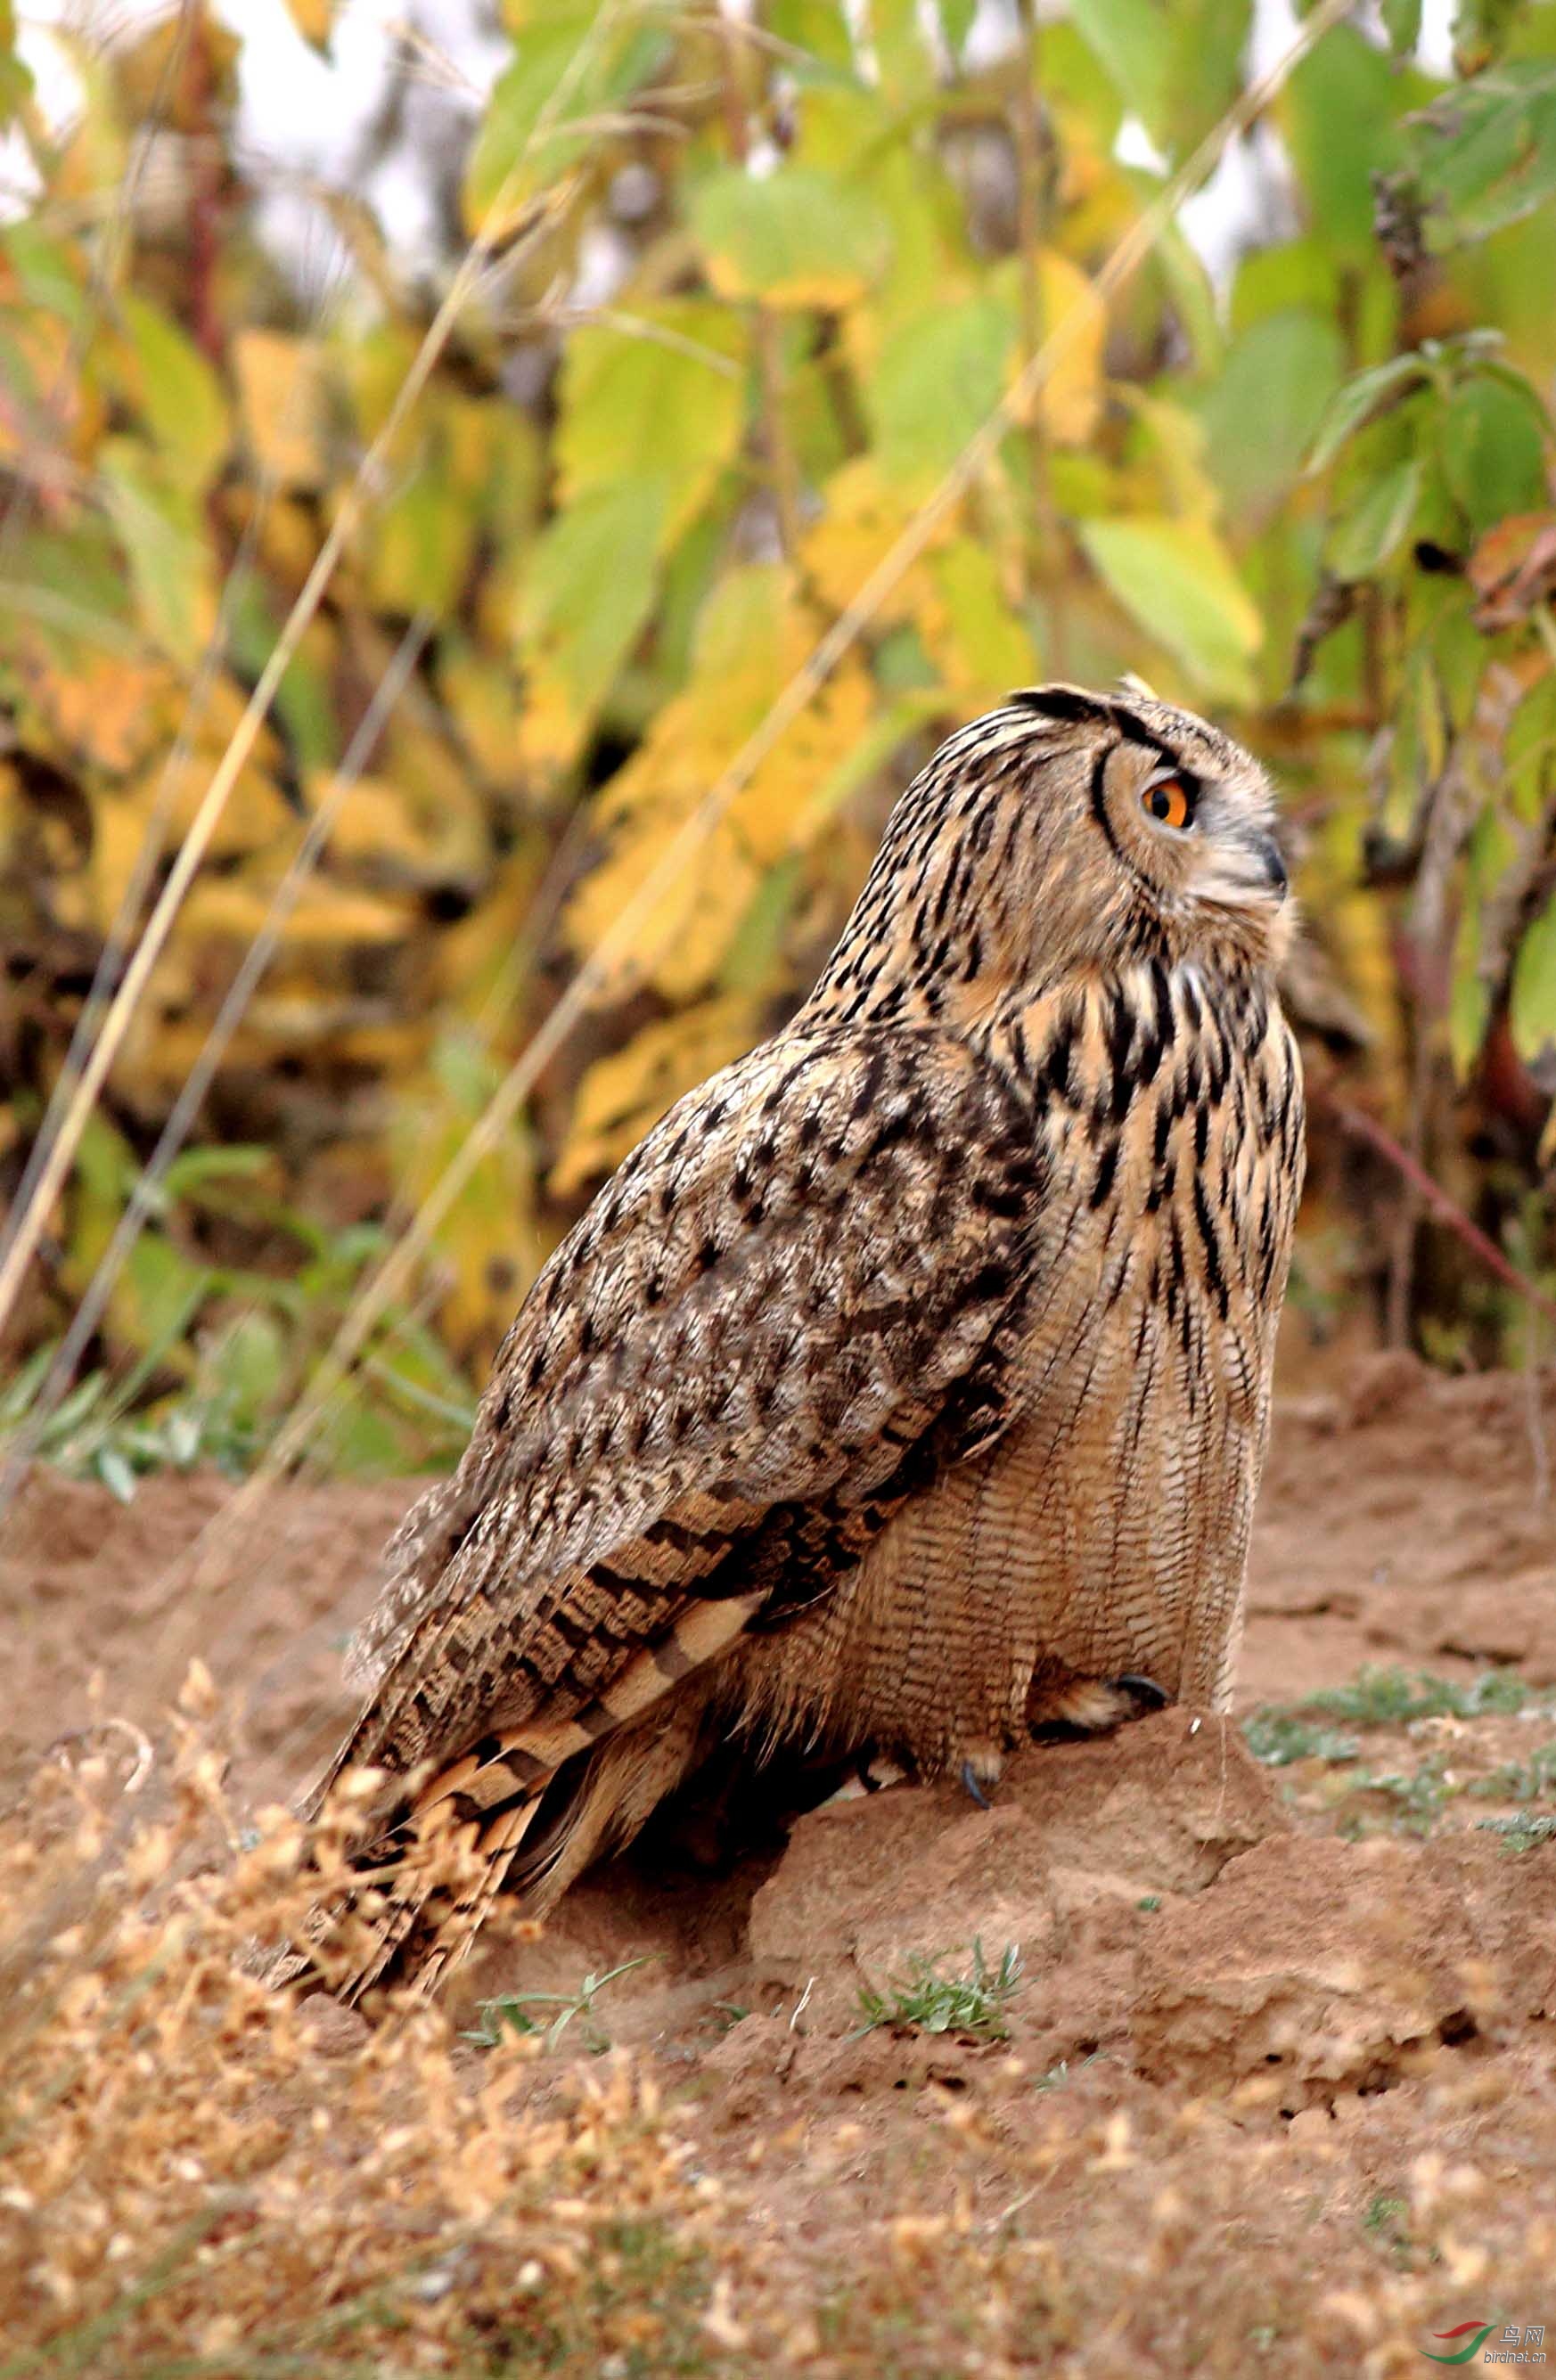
(1319, 1968)
(1175, 2058)
(1078, 1834)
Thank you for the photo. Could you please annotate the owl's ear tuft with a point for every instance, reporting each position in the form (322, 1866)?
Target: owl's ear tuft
(1067, 702)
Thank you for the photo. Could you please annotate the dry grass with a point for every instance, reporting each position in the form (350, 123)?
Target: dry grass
(203, 2178)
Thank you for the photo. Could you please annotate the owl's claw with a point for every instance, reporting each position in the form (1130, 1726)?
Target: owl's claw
(974, 1791)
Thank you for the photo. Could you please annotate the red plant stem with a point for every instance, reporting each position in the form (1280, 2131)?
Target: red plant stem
(1435, 1199)
(205, 168)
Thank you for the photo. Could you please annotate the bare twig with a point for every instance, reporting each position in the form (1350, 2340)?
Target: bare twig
(1435, 1199)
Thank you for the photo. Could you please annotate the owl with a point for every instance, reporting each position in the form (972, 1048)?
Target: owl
(904, 1393)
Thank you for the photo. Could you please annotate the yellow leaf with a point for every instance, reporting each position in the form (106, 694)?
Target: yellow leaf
(254, 814)
(50, 412)
(449, 809)
(546, 727)
(489, 1247)
(484, 706)
(680, 932)
(796, 237)
(104, 709)
(971, 625)
(313, 20)
(667, 404)
(283, 394)
(864, 517)
(374, 825)
(752, 637)
(233, 909)
(623, 1096)
(778, 810)
(1069, 312)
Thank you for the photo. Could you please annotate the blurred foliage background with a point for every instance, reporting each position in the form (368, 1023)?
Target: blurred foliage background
(744, 285)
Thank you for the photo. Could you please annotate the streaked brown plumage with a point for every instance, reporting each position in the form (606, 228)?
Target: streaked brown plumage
(908, 1386)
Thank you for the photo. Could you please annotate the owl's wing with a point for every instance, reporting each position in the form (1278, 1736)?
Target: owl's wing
(793, 1304)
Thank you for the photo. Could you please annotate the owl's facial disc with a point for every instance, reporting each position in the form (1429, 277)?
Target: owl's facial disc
(1195, 829)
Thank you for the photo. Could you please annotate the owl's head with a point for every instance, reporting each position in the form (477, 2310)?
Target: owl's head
(1066, 830)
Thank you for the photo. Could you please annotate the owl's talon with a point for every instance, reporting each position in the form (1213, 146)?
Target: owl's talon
(974, 1790)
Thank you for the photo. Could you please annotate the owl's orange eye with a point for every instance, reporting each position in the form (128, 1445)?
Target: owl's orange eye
(1168, 801)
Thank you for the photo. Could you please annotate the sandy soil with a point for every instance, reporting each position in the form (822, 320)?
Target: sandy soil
(1254, 1997)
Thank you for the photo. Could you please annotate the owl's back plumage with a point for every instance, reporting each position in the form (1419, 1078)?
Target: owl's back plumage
(909, 1384)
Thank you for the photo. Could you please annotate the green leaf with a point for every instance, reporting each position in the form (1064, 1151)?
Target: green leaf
(1491, 439)
(819, 28)
(529, 136)
(15, 82)
(48, 270)
(1133, 41)
(1402, 22)
(901, 56)
(1491, 851)
(1339, 110)
(1176, 63)
(1480, 31)
(304, 702)
(248, 1365)
(937, 379)
(421, 540)
(990, 646)
(1176, 579)
(179, 395)
(796, 237)
(590, 583)
(1261, 411)
(956, 23)
(1360, 401)
(1529, 748)
(666, 407)
(1484, 156)
(1297, 273)
(1375, 526)
(1533, 1005)
(170, 563)
(194, 1169)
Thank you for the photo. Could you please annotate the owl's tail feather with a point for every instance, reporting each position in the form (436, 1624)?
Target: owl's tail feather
(560, 1788)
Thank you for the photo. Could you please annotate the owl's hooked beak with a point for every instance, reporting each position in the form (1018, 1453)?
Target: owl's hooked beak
(1273, 861)
(1244, 868)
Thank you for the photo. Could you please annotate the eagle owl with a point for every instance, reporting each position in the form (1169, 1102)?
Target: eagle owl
(908, 1387)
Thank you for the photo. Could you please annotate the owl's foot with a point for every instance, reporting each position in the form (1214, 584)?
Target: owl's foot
(1092, 1706)
(981, 1769)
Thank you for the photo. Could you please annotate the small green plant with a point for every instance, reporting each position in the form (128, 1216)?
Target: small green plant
(1520, 1781)
(1391, 1697)
(1523, 1833)
(1151, 1901)
(926, 2001)
(1279, 1737)
(1417, 1798)
(1386, 2224)
(512, 2013)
